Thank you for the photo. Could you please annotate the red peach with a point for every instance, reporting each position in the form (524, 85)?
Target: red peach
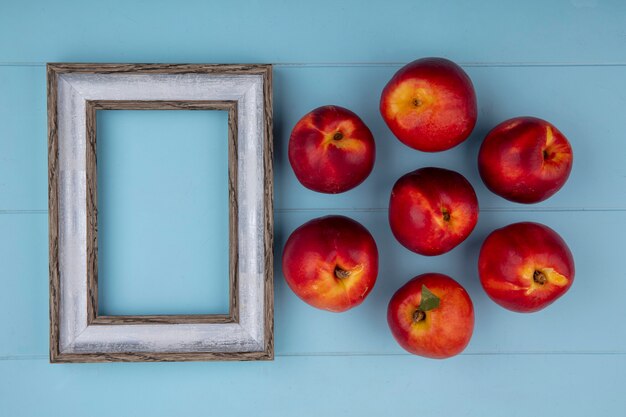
(432, 210)
(331, 263)
(438, 330)
(430, 104)
(525, 160)
(331, 150)
(525, 267)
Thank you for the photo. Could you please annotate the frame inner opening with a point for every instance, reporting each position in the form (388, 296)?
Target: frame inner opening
(163, 212)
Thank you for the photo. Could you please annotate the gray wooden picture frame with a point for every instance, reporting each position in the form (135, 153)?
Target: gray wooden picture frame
(77, 332)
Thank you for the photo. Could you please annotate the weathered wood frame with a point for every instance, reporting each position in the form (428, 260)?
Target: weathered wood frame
(92, 210)
(75, 93)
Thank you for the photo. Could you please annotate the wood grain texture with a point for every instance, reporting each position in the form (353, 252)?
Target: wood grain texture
(165, 319)
(237, 69)
(91, 106)
(91, 173)
(92, 210)
(53, 213)
(233, 216)
(162, 357)
(230, 106)
(269, 212)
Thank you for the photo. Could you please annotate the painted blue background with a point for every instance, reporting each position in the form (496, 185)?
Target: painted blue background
(564, 61)
(162, 212)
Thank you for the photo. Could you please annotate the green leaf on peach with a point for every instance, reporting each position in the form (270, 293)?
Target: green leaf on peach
(429, 300)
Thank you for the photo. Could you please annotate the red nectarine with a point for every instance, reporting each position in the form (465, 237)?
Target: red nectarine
(525, 267)
(431, 315)
(331, 150)
(331, 263)
(432, 210)
(430, 104)
(525, 160)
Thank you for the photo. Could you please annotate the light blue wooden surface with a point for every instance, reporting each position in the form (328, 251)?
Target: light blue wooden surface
(163, 212)
(562, 60)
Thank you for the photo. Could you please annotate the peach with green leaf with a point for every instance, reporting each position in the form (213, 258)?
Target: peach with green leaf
(431, 315)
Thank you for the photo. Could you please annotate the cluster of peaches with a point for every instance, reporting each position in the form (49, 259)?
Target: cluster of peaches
(430, 105)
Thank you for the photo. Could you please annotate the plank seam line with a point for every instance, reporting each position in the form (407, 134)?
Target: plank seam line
(486, 353)
(393, 64)
(384, 209)
(365, 354)
(463, 64)
(23, 211)
(482, 209)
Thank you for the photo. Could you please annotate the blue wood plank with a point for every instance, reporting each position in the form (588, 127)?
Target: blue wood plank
(579, 100)
(589, 318)
(162, 212)
(23, 139)
(572, 324)
(514, 386)
(319, 31)
(24, 280)
(563, 60)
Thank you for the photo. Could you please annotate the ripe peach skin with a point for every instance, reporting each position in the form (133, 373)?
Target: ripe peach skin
(430, 104)
(525, 160)
(439, 333)
(331, 263)
(432, 210)
(331, 150)
(525, 267)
